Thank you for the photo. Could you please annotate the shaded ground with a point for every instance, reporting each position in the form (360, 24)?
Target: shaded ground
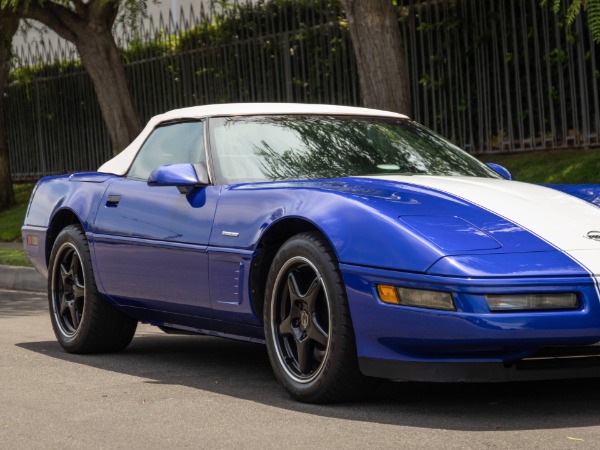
(188, 391)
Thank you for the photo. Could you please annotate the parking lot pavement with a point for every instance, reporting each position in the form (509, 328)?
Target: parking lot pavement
(169, 391)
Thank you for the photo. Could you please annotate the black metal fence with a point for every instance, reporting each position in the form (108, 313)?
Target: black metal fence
(503, 75)
(492, 75)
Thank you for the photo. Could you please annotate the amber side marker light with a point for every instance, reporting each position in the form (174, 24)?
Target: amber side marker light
(420, 298)
(387, 294)
(32, 240)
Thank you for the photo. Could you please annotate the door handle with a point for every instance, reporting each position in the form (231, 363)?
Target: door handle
(113, 201)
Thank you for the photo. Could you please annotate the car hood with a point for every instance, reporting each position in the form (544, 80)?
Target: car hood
(558, 220)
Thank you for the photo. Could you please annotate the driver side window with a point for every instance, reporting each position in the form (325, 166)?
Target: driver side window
(176, 143)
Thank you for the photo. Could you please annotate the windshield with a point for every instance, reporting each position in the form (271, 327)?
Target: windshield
(263, 148)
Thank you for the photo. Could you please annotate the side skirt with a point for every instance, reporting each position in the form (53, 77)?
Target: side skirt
(171, 328)
(197, 325)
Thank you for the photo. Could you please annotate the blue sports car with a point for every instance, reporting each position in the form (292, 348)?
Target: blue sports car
(355, 243)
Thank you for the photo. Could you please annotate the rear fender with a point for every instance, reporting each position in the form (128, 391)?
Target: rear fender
(588, 192)
(78, 194)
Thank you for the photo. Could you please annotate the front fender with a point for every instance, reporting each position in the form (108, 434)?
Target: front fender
(359, 232)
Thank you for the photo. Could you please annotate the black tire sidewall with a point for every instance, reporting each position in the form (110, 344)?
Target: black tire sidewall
(305, 245)
(74, 236)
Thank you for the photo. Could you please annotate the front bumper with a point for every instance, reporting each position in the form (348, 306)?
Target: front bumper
(34, 243)
(471, 343)
(549, 363)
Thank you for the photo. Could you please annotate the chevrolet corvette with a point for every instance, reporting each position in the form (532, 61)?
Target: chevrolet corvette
(355, 243)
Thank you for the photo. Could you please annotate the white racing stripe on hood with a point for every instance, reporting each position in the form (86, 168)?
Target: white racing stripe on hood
(560, 219)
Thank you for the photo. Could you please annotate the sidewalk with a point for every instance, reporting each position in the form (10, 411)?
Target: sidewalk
(20, 278)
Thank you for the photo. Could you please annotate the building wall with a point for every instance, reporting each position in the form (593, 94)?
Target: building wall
(35, 41)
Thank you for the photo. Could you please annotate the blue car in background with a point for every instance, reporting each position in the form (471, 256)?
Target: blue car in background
(355, 243)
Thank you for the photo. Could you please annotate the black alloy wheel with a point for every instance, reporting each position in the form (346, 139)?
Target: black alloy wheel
(308, 329)
(301, 325)
(83, 321)
(68, 290)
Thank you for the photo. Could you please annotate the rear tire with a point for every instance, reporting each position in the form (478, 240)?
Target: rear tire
(308, 329)
(83, 322)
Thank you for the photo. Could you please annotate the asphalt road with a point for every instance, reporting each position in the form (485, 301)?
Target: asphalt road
(169, 391)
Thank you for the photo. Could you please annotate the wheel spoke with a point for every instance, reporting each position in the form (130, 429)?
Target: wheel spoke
(290, 304)
(64, 304)
(75, 265)
(65, 275)
(317, 334)
(78, 290)
(293, 288)
(304, 349)
(74, 315)
(311, 295)
(285, 327)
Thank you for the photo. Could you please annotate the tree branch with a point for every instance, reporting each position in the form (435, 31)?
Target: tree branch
(60, 19)
(80, 8)
(9, 23)
(103, 12)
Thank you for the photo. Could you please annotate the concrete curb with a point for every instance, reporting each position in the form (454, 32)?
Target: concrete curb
(22, 278)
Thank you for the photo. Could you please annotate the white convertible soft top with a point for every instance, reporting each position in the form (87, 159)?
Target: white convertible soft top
(120, 163)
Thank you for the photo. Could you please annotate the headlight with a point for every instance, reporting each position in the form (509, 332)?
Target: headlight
(420, 298)
(530, 302)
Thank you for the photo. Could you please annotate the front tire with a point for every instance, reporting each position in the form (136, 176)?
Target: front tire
(82, 321)
(308, 329)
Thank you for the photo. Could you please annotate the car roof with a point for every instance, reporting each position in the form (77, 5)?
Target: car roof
(245, 109)
(121, 163)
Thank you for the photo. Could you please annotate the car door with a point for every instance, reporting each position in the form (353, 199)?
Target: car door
(150, 242)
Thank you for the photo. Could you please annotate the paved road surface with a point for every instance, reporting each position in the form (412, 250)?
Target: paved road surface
(200, 392)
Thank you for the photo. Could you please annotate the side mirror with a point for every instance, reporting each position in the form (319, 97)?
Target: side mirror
(500, 170)
(184, 176)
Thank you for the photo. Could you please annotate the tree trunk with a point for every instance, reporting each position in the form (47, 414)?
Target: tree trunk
(88, 25)
(379, 51)
(8, 27)
(101, 59)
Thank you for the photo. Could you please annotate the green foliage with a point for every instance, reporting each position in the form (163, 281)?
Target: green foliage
(452, 61)
(130, 12)
(573, 11)
(574, 8)
(235, 22)
(594, 18)
(12, 218)
(250, 51)
(234, 47)
(555, 166)
(13, 257)
(161, 45)
(23, 74)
